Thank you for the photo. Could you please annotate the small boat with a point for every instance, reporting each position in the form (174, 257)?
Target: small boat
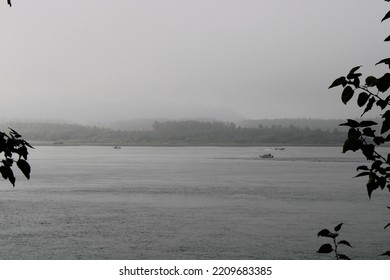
(117, 147)
(280, 149)
(267, 156)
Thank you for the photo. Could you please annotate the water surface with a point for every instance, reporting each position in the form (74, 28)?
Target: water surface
(189, 203)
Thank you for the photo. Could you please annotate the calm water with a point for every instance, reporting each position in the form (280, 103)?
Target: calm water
(189, 203)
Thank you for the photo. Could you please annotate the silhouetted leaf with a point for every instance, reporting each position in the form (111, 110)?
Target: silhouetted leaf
(7, 173)
(376, 165)
(369, 132)
(362, 99)
(371, 81)
(24, 167)
(323, 233)
(372, 184)
(350, 123)
(387, 253)
(387, 225)
(362, 174)
(354, 69)
(352, 145)
(345, 242)
(338, 82)
(343, 257)
(382, 104)
(370, 103)
(386, 16)
(22, 151)
(347, 94)
(385, 125)
(14, 133)
(362, 167)
(9, 3)
(383, 83)
(325, 249)
(368, 151)
(338, 227)
(3, 172)
(367, 123)
(384, 61)
(356, 80)
(387, 39)
(354, 133)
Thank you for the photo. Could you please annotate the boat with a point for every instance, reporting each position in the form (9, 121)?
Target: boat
(117, 147)
(280, 149)
(266, 156)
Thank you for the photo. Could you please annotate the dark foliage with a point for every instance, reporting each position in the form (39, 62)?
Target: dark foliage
(329, 248)
(12, 145)
(366, 136)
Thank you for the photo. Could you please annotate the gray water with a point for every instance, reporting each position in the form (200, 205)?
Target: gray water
(189, 203)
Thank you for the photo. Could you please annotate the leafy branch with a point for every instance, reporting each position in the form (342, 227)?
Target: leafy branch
(367, 135)
(329, 248)
(11, 144)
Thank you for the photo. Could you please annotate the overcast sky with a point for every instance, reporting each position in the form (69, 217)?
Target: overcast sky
(95, 60)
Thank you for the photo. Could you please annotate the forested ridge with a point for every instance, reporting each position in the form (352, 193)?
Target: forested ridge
(188, 132)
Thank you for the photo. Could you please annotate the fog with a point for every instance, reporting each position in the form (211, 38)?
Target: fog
(96, 60)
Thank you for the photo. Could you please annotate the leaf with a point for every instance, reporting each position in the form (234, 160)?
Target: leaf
(338, 82)
(354, 69)
(387, 39)
(351, 123)
(371, 102)
(384, 61)
(387, 253)
(362, 174)
(24, 167)
(387, 225)
(385, 125)
(382, 104)
(323, 233)
(372, 185)
(338, 227)
(325, 249)
(362, 99)
(362, 167)
(343, 257)
(371, 80)
(386, 16)
(383, 83)
(3, 172)
(354, 133)
(14, 133)
(369, 132)
(368, 151)
(345, 242)
(367, 123)
(347, 94)
(352, 145)
(376, 165)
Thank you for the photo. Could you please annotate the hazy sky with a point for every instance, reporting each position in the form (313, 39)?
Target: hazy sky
(91, 60)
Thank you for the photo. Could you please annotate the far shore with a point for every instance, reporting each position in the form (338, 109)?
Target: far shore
(273, 145)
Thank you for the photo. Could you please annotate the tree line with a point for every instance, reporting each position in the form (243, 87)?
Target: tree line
(189, 132)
